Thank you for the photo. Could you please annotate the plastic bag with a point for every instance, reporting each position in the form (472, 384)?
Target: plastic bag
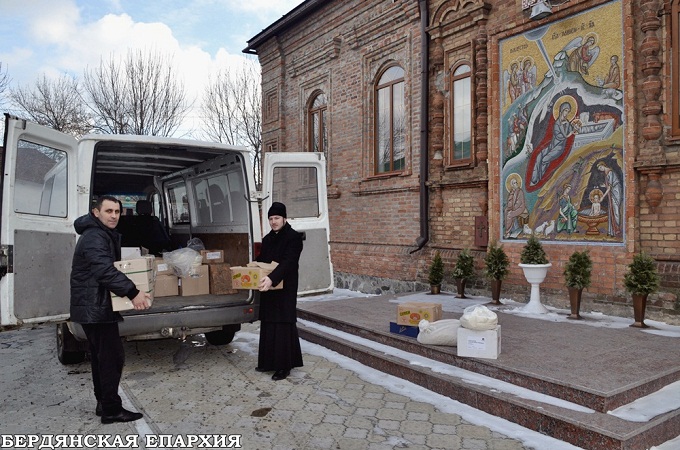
(478, 317)
(441, 332)
(184, 262)
(195, 244)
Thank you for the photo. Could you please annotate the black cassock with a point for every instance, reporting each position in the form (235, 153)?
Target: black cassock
(279, 341)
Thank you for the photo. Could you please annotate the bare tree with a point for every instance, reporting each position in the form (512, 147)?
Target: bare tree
(55, 103)
(232, 110)
(139, 95)
(4, 84)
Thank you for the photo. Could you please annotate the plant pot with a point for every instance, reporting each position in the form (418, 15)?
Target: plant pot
(535, 274)
(639, 306)
(496, 292)
(575, 302)
(435, 289)
(460, 285)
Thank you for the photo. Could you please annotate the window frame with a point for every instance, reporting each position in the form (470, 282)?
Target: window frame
(451, 160)
(378, 86)
(321, 112)
(675, 69)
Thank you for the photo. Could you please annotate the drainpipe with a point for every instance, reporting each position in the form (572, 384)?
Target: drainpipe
(424, 109)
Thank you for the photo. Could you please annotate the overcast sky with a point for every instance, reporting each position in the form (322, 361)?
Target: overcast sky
(65, 36)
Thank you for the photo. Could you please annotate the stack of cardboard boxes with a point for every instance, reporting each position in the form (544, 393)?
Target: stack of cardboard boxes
(156, 276)
(219, 272)
(141, 271)
(410, 314)
(212, 276)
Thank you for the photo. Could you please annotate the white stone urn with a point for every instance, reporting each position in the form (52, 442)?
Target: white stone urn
(535, 274)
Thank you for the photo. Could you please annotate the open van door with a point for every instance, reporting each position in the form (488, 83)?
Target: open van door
(298, 180)
(38, 207)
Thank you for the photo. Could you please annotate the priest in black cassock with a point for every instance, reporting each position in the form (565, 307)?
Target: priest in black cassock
(279, 342)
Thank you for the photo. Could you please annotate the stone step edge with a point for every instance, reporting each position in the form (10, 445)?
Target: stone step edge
(590, 399)
(597, 431)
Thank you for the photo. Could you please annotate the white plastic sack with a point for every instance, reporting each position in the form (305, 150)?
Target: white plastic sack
(441, 332)
(184, 261)
(478, 317)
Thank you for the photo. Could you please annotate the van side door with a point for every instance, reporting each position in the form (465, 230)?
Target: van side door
(298, 180)
(38, 208)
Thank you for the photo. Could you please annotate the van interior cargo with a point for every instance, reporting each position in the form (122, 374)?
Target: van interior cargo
(205, 193)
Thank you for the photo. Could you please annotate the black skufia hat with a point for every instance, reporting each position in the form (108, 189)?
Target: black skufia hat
(277, 209)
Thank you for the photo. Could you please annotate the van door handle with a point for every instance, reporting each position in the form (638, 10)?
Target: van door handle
(6, 259)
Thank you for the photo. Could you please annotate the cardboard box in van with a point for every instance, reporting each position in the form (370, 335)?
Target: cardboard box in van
(249, 277)
(212, 256)
(195, 284)
(220, 279)
(163, 268)
(166, 285)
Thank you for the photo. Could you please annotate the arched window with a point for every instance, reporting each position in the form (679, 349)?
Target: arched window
(317, 115)
(390, 122)
(461, 115)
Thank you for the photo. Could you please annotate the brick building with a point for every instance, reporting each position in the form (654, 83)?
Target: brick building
(448, 124)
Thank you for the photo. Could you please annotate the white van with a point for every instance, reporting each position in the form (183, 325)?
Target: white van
(194, 189)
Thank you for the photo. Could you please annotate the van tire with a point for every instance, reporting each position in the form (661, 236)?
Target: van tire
(223, 336)
(66, 343)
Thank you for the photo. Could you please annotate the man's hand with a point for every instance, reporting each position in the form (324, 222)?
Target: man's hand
(265, 284)
(142, 301)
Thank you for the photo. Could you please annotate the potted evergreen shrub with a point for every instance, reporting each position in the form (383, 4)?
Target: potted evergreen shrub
(641, 280)
(496, 264)
(577, 273)
(535, 265)
(463, 270)
(436, 274)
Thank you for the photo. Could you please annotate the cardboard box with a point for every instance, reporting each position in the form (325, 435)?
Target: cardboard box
(220, 279)
(249, 277)
(212, 256)
(166, 285)
(130, 252)
(141, 272)
(412, 313)
(124, 303)
(405, 330)
(133, 252)
(196, 284)
(479, 344)
(163, 268)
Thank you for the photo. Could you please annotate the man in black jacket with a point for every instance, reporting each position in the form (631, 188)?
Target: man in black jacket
(93, 277)
(279, 349)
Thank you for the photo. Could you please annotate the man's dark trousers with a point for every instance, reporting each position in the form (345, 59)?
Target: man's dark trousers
(108, 357)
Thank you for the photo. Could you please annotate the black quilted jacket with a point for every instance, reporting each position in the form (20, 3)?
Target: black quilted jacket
(93, 275)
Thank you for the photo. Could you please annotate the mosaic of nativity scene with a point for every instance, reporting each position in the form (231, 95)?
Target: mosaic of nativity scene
(562, 130)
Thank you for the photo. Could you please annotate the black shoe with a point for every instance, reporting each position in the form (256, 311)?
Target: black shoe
(98, 409)
(258, 369)
(123, 416)
(280, 375)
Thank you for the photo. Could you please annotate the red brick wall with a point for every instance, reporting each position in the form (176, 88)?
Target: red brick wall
(374, 220)
(341, 48)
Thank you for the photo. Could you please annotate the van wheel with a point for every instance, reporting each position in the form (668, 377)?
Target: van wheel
(66, 343)
(223, 336)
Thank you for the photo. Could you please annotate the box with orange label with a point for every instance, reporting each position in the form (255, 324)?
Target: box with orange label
(249, 277)
(413, 312)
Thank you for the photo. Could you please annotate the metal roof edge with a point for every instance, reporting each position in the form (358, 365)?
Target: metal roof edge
(286, 21)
